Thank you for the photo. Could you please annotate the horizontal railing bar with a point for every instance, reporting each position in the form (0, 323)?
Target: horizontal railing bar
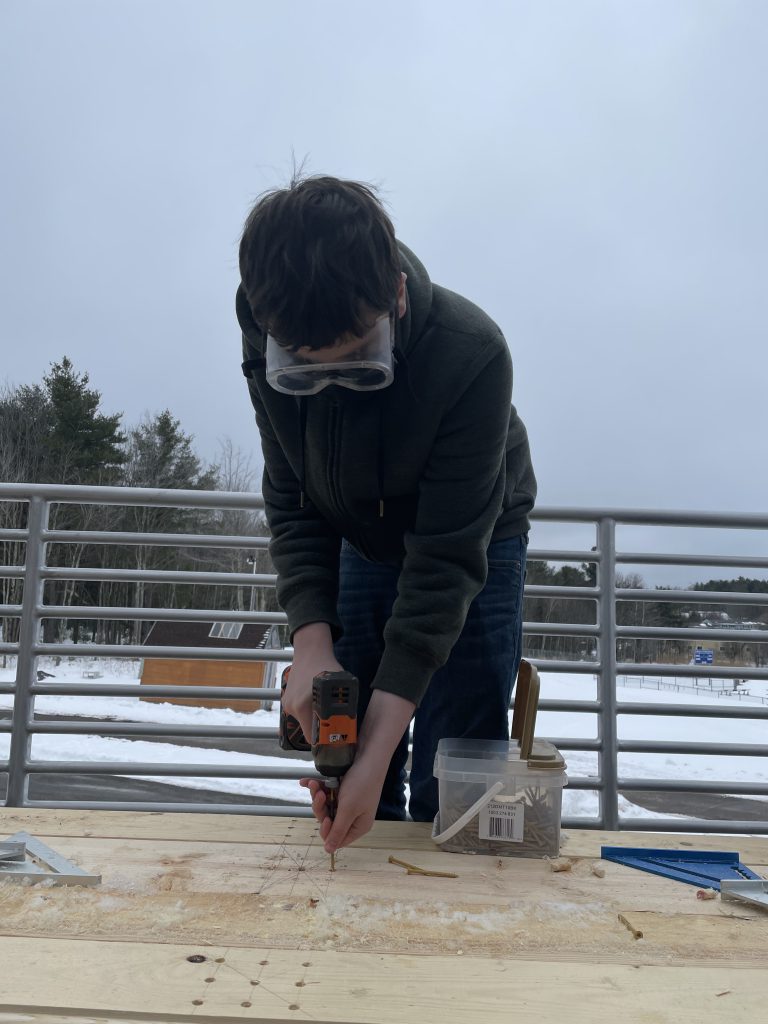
(10, 610)
(130, 537)
(554, 555)
(717, 561)
(652, 517)
(76, 494)
(102, 495)
(628, 668)
(585, 782)
(9, 648)
(690, 596)
(158, 807)
(569, 593)
(703, 825)
(212, 771)
(141, 651)
(560, 629)
(142, 690)
(12, 572)
(651, 558)
(234, 579)
(14, 535)
(114, 612)
(592, 707)
(716, 749)
(75, 728)
(690, 710)
(665, 633)
(590, 668)
(694, 786)
(570, 822)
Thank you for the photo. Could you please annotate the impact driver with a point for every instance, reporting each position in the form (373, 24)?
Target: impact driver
(334, 730)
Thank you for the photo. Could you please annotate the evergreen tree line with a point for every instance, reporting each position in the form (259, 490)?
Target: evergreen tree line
(56, 432)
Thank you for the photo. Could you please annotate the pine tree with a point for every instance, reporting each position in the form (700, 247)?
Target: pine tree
(84, 443)
(161, 455)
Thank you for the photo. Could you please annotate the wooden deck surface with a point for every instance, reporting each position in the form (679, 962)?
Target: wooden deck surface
(230, 917)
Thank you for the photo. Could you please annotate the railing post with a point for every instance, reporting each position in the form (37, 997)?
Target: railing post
(607, 726)
(26, 665)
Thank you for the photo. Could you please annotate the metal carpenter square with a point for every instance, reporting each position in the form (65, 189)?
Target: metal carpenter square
(46, 865)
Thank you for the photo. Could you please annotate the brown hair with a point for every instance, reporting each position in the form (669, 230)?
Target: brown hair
(317, 258)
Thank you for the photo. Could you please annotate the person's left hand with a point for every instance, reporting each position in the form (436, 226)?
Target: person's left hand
(358, 799)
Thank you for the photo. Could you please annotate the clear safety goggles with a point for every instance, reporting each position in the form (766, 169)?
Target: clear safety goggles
(369, 367)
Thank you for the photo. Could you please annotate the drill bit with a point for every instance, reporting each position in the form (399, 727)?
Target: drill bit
(332, 798)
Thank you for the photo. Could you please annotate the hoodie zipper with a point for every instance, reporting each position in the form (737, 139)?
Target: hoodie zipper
(333, 459)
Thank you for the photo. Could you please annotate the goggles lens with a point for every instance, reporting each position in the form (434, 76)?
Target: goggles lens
(368, 367)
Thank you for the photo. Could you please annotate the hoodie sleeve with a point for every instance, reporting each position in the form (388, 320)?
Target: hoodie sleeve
(303, 548)
(460, 497)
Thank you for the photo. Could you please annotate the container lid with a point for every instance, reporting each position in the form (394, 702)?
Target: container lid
(470, 755)
(545, 756)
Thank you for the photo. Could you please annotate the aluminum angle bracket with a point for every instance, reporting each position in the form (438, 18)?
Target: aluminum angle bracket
(25, 859)
(746, 892)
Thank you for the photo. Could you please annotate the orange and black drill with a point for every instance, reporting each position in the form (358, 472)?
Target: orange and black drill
(334, 730)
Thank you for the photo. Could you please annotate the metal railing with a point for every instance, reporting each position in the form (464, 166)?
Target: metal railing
(606, 634)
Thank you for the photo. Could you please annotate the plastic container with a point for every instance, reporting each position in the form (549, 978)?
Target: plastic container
(493, 802)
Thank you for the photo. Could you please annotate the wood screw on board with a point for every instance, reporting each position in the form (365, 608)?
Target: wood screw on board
(413, 870)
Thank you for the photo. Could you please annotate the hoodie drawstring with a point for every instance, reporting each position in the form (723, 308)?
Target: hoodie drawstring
(302, 447)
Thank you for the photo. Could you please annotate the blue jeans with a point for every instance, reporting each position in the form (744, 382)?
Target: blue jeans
(468, 697)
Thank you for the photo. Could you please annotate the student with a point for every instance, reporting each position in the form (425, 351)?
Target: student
(397, 485)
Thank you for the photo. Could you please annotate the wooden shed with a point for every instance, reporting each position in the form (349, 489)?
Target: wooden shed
(215, 671)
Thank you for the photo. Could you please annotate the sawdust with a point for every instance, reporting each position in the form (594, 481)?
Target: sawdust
(160, 913)
(309, 911)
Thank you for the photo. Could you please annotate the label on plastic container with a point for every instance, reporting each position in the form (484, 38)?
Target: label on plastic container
(502, 820)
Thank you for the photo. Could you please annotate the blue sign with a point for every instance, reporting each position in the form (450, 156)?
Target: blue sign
(702, 656)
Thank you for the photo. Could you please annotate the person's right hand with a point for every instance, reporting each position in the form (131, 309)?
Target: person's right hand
(312, 654)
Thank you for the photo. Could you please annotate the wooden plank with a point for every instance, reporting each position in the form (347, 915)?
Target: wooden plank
(74, 979)
(237, 828)
(172, 891)
(385, 835)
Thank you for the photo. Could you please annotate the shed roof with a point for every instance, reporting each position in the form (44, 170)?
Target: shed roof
(197, 634)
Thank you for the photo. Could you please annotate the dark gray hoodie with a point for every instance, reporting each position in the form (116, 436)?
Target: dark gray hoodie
(422, 475)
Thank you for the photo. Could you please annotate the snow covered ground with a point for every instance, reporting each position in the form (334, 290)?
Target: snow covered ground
(560, 724)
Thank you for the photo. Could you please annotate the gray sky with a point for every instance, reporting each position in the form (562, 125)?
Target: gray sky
(591, 172)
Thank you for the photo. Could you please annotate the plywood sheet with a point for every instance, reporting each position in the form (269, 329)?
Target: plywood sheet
(78, 979)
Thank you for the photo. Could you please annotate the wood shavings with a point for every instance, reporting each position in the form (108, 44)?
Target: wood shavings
(726, 993)
(598, 870)
(412, 869)
(636, 933)
(559, 863)
(706, 894)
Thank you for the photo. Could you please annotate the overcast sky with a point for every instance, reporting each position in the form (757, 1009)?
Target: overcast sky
(592, 172)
